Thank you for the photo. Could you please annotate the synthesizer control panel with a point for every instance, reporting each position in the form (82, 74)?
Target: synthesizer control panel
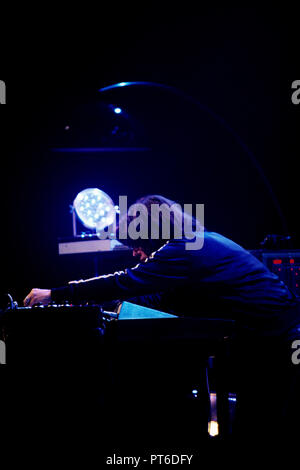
(285, 264)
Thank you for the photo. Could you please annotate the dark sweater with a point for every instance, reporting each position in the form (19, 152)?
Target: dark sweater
(221, 279)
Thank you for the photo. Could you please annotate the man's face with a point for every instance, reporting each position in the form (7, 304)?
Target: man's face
(139, 253)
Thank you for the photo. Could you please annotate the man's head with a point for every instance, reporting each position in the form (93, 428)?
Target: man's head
(149, 223)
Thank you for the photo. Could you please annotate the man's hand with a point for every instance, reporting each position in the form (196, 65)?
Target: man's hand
(38, 296)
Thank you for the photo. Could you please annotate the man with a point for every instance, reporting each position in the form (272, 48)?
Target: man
(218, 279)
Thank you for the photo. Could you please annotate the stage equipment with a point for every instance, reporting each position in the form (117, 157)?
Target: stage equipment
(88, 243)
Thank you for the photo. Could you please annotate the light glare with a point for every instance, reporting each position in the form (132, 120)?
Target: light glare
(89, 204)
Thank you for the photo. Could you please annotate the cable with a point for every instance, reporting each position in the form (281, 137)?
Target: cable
(223, 123)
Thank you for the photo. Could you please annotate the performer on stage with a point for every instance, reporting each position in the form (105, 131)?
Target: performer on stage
(218, 279)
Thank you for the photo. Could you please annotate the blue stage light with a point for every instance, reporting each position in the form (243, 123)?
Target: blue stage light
(117, 110)
(94, 208)
(126, 84)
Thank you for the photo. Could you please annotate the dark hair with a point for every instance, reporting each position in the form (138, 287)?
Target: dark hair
(176, 218)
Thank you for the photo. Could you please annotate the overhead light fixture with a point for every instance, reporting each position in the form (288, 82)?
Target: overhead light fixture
(94, 208)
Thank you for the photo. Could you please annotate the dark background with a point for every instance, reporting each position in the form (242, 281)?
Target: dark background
(226, 138)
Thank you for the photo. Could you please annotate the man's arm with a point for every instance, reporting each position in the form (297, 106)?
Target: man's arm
(164, 269)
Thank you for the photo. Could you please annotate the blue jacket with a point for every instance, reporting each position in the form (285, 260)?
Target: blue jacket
(221, 280)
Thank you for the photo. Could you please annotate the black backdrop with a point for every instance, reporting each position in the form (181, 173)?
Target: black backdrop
(237, 62)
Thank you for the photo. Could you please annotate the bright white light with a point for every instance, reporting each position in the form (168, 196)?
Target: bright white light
(90, 211)
(117, 110)
(213, 428)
